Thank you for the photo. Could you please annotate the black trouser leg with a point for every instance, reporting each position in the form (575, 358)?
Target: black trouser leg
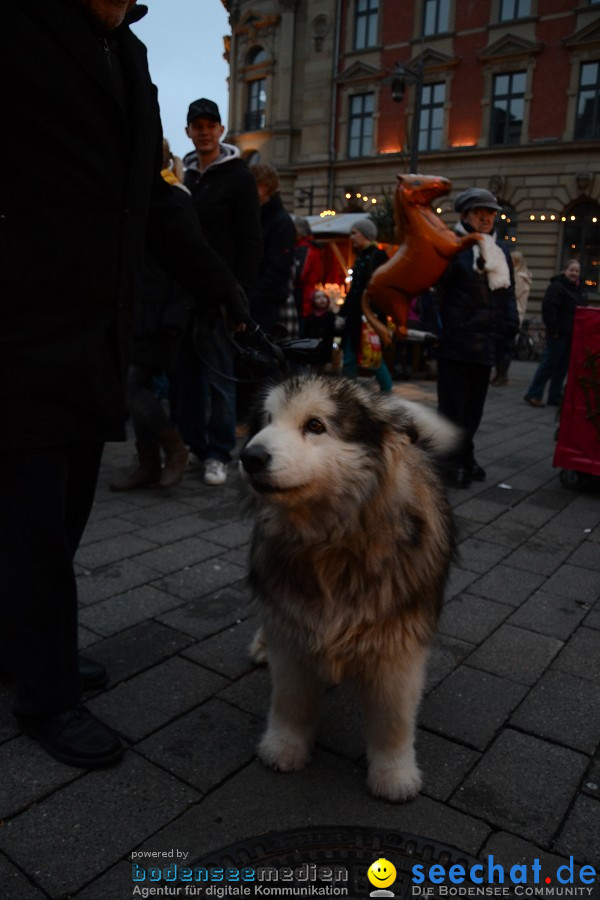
(462, 389)
(47, 494)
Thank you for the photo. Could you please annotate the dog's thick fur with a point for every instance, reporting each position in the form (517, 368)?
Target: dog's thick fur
(351, 549)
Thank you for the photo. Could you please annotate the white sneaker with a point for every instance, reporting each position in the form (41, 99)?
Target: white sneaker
(215, 472)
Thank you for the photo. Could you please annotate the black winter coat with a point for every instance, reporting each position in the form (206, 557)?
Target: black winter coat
(80, 193)
(473, 317)
(274, 284)
(226, 202)
(558, 306)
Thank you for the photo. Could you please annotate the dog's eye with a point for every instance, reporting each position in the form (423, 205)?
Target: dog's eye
(314, 426)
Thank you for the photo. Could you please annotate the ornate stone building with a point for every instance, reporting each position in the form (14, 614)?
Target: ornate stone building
(341, 95)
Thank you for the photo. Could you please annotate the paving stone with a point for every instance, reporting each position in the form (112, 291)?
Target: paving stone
(475, 509)
(200, 580)
(15, 885)
(157, 513)
(280, 802)
(111, 550)
(591, 782)
(555, 500)
(140, 706)
(110, 616)
(131, 651)
(91, 823)
(586, 556)
(472, 619)
(574, 583)
(471, 706)
(180, 555)
(580, 656)
(458, 580)
(443, 763)
(108, 527)
(446, 654)
(28, 773)
(522, 784)
(562, 708)
(206, 745)
(175, 529)
(515, 653)
(535, 556)
(506, 532)
(507, 585)
(549, 614)
(579, 837)
(251, 693)
(111, 580)
(341, 724)
(480, 556)
(212, 612)
(592, 619)
(228, 651)
(112, 885)
(86, 638)
(236, 534)
(509, 850)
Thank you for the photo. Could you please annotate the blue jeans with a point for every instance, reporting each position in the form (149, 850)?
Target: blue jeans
(553, 367)
(205, 392)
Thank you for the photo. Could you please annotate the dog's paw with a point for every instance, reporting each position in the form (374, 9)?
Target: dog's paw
(396, 783)
(284, 751)
(258, 648)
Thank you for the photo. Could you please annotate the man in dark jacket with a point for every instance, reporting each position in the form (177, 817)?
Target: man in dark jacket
(477, 308)
(563, 295)
(73, 235)
(268, 301)
(226, 202)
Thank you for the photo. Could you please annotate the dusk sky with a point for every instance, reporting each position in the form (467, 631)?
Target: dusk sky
(185, 52)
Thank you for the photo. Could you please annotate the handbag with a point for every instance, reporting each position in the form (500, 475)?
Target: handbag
(369, 349)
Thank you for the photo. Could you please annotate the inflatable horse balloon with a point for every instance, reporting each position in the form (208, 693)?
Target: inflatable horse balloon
(426, 247)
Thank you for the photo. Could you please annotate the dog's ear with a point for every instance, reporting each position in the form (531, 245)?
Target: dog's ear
(424, 426)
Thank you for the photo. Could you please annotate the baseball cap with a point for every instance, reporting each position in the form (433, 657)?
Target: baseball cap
(473, 197)
(203, 108)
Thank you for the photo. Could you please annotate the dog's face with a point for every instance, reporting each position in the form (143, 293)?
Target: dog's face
(311, 439)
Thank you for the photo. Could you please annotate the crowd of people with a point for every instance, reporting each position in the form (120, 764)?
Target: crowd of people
(126, 270)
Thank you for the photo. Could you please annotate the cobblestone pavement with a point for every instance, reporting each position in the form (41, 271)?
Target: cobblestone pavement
(509, 727)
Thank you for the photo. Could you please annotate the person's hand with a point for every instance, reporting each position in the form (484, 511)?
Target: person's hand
(237, 308)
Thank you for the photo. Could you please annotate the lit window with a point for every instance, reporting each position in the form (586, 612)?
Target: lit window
(257, 101)
(514, 9)
(360, 132)
(431, 120)
(508, 103)
(436, 18)
(587, 122)
(581, 239)
(365, 24)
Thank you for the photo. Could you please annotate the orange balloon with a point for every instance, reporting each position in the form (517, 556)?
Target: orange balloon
(426, 247)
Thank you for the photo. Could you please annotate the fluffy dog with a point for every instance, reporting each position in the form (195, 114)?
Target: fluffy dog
(350, 553)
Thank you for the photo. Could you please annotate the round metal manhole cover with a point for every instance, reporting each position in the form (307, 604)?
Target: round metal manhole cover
(334, 862)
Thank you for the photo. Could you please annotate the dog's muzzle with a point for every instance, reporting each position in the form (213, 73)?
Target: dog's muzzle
(255, 459)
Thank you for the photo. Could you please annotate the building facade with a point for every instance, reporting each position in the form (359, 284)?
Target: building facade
(341, 95)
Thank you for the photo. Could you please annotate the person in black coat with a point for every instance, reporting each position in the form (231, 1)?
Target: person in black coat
(563, 295)
(77, 101)
(477, 309)
(271, 301)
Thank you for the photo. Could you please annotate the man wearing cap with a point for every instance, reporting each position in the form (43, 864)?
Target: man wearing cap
(73, 236)
(226, 201)
(477, 308)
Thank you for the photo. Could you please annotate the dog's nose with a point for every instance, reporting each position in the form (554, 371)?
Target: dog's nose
(254, 458)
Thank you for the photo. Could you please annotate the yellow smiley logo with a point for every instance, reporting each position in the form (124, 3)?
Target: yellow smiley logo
(381, 873)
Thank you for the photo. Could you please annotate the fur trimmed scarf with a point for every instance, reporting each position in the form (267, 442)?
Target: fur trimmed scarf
(494, 260)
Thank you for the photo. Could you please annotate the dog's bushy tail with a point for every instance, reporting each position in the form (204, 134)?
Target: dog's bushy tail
(433, 431)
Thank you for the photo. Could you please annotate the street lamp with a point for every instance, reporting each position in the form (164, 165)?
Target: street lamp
(398, 79)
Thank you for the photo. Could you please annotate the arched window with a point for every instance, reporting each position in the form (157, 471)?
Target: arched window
(256, 56)
(581, 240)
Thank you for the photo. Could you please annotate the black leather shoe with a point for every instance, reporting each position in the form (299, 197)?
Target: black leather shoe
(477, 473)
(93, 675)
(75, 738)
